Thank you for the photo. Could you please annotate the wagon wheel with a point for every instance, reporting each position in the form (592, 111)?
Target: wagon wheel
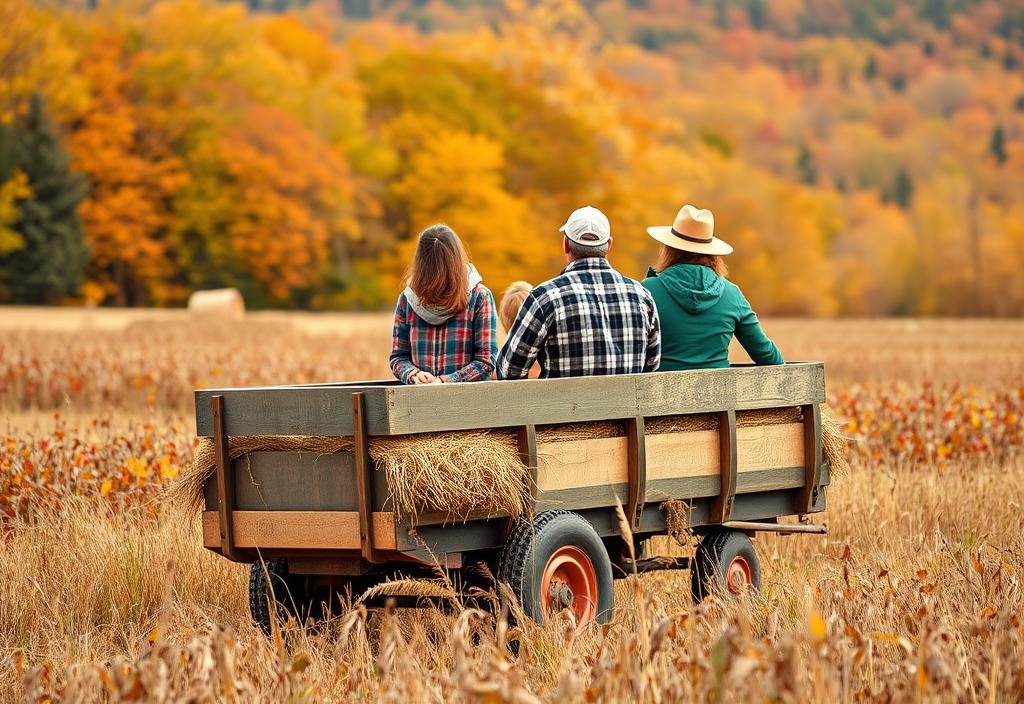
(726, 562)
(558, 562)
(270, 585)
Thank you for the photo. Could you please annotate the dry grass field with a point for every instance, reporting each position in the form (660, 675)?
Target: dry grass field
(105, 594)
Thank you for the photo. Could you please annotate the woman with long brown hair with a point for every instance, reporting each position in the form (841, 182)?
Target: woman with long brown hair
(699, 308)
(444, 329)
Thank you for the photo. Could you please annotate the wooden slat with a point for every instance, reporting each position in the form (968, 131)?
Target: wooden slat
(696, 453)
(636, 462)
(305, 530)
(497, 404)
(753, 481)
(526, 439)
(225, 477)
(812, 457)
(584, 497)
(574, 465)
(692, 454)
(398, 410)
(769, 446)
(364, 480)
(683, 488)
(293, 410)
(295, 481)
(736, 388)
(721, 506)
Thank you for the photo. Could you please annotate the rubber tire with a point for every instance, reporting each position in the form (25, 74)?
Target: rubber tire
(289, 594)
(524, 556)
(711, 560)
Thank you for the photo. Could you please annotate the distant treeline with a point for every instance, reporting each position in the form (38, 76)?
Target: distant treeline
(863, 157)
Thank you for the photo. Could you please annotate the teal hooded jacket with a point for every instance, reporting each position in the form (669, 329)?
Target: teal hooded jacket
(700, 312)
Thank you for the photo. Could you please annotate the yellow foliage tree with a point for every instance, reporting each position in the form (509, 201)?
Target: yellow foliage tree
(11, 190)
(456, 178)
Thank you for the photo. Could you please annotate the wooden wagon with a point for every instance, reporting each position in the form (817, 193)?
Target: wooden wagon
(310, 522)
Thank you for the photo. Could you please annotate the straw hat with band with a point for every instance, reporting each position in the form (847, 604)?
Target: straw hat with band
(692, 231)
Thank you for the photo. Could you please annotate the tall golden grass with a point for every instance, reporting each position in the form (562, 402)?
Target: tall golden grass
(915, 594)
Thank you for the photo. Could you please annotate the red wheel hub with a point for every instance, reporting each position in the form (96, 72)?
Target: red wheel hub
(570, 582)
(739, 577)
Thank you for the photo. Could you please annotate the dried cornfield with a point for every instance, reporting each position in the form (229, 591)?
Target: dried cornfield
(914, 595)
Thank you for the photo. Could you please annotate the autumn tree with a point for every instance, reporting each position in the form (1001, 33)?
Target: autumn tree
(134, 176)
(265, 204)
(45, 260)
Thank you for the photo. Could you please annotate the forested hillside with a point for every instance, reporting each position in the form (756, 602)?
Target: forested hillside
(864, 157)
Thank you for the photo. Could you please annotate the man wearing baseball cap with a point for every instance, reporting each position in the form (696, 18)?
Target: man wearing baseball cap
(590, 320)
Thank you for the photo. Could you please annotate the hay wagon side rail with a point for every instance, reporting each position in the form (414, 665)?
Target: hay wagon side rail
(327, 513)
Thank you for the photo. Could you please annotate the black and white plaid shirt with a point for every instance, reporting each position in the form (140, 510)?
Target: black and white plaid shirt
(591, 320)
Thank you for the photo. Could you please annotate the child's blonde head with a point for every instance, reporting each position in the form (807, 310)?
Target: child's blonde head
(511, 301)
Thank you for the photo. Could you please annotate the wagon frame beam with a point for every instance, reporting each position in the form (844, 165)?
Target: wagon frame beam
(225, 481)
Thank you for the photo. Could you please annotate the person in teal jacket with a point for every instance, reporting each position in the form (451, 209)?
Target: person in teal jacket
(700, 309)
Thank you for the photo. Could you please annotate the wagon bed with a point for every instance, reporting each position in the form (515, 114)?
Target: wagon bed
(328, 514)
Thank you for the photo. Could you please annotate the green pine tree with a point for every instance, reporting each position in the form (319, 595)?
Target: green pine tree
(997, 145)
(871, 68)
(903, 189)
(805, 166)
(50, 263)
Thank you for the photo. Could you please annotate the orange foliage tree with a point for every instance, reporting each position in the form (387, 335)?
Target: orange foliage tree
(862, 160)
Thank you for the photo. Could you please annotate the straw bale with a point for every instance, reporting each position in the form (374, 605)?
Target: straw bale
(217, 303)
(572, 432)
(452, 473)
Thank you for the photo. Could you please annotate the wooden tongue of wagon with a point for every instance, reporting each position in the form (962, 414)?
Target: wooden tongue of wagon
(318, 523)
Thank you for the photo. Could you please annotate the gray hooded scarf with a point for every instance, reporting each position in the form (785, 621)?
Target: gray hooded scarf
(433, 316)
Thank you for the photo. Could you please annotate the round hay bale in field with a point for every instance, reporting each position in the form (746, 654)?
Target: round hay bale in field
(217, 303)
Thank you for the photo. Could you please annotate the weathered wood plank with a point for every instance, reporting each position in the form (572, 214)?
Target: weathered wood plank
(295, 481)
(225, 478)
(497, 404)
(574, 465)
(364, 479)
(306, 530)
(812, 456)
(526, 439)
(682, 488)
(721, 506)
(736, 388)
(451, 538)
(293, 410)
(753, 481)
(583, 497)
(769, 446)
(691, 454)
(636, 461)
(398, 410)
(696, 453)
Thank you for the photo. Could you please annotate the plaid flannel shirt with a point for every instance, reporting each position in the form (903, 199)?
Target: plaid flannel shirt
(462, 348)
(591, 320)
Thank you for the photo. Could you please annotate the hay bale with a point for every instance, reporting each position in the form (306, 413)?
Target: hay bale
(452, 473)
(217, 303)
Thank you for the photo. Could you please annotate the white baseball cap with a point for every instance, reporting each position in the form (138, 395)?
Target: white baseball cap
(587, 226)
